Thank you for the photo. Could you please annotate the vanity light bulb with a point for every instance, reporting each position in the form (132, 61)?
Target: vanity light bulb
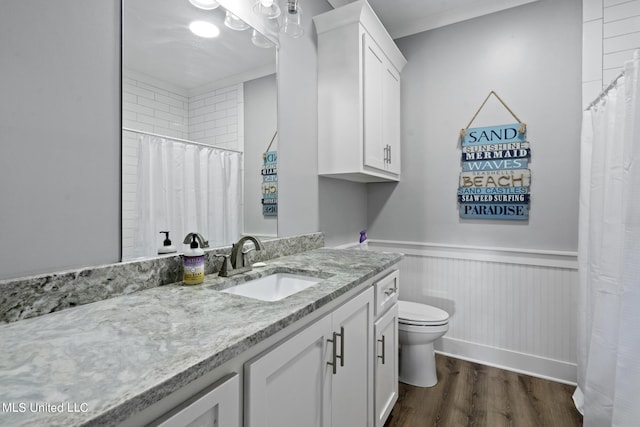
(205, 4)
(204, 29)
(235, 23)
(292, 25)
(261, 41)
(266, 8)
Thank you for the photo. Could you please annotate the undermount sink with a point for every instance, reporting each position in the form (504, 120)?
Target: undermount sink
(274, 287)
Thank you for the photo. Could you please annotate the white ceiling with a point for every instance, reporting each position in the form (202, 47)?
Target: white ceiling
(158, 43)
(405, 17)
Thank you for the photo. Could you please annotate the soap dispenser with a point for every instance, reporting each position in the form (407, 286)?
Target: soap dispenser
(193, 261)
(167, 247)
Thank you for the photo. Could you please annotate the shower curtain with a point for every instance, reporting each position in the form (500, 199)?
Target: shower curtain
(183, 188)
(608, 390)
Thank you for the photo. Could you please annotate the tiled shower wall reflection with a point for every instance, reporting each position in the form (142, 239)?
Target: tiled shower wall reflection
(213, 116)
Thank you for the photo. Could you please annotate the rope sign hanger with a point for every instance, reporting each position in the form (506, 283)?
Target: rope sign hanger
(523, 126)
(264, 155)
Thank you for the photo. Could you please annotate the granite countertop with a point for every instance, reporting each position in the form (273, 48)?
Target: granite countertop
(100, 363)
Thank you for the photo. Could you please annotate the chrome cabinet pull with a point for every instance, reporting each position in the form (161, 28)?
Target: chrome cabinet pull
(391, 291)
(383, 348)
(389, 153)
(334, 352)
(341, 335)
(334, 355)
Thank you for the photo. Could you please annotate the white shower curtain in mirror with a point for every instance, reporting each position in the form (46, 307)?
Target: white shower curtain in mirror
(185, 188)
(608, 390)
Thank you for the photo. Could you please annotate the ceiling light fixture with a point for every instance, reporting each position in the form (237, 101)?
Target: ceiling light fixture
(204, 29)
(205, 4)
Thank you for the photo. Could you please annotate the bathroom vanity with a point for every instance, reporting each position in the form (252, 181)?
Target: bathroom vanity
(174, 354)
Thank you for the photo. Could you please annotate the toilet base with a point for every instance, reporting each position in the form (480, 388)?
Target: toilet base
(418, 365)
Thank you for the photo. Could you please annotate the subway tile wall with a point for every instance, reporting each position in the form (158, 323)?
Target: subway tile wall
(611, 33)
(153, 106)
(212, 116)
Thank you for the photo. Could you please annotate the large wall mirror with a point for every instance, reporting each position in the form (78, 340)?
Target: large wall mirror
(199, 110)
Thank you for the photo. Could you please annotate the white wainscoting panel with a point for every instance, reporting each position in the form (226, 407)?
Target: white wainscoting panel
(508, 308)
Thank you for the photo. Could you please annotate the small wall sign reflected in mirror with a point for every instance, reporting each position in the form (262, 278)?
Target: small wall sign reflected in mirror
(270, 184)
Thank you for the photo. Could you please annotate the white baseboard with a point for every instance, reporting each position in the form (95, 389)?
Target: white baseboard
(549, 369)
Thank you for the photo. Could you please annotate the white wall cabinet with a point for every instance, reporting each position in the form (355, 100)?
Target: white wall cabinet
(359, 69)
(386, 345)
(320, 377)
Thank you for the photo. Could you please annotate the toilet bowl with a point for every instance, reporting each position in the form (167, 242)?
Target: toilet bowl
(419, 325)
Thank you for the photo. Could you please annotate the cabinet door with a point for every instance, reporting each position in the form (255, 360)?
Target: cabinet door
(352, 383)
(286, 386)
(391, 117)
(373, 74)
(219, 405)
(386, 369)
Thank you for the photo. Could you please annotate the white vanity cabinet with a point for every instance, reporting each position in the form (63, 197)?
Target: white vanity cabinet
(386, 345)
(359, 70)
(319, 377)
(218, 405)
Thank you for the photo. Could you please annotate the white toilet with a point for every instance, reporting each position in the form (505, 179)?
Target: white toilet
(419, 325)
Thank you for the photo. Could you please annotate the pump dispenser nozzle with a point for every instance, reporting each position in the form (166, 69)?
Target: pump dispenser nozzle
(167, 247)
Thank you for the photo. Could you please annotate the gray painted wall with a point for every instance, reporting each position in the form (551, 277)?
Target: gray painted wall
(260, 118)
(60, 135)
(298, 191)
(343, 210)
(529, 55)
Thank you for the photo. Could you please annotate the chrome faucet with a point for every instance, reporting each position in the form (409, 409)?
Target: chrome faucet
(239, 258)
(203, 243)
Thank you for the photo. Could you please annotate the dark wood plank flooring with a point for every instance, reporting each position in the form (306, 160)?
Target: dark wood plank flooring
(470, 394)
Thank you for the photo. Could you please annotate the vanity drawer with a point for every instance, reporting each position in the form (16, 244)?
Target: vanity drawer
(386, 291)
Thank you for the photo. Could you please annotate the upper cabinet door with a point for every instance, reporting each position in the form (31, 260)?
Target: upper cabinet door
(373, 78)
(391, 118)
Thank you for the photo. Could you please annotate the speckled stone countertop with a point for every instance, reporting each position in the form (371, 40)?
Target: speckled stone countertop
(100, 363)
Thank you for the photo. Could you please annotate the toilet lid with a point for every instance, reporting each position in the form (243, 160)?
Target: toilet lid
(413, 313)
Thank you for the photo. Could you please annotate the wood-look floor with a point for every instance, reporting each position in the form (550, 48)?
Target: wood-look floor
(470, 394)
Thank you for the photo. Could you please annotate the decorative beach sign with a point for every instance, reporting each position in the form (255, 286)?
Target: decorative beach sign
(495, 178)
(270, 184)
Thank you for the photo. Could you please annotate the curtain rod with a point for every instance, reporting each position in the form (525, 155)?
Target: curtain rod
(605, 91)
(186, 141)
